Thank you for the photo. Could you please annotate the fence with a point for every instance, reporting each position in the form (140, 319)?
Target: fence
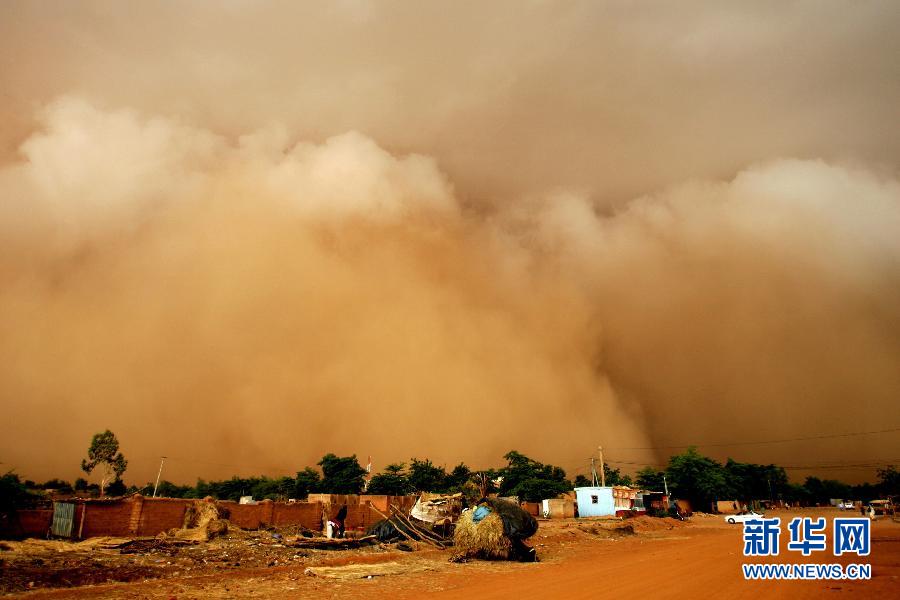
(136, 515)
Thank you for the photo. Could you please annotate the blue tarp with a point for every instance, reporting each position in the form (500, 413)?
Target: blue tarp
(480, 513)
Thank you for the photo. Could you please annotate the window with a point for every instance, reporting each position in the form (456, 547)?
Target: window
(595, 499)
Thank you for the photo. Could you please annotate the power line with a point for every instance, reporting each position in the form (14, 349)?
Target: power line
(867, 464)
(760, 443)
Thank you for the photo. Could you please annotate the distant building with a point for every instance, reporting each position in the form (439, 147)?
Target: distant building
(595, 502)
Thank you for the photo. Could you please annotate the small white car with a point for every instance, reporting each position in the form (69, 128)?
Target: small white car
(742, 516)
(847, 506)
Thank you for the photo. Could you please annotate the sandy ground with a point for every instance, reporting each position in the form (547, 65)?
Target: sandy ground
(579, 559)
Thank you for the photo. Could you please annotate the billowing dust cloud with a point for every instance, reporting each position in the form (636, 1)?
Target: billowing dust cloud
(247, 238)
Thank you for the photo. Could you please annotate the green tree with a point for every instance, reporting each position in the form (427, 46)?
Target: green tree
(104, 452)
(341, 474)
(167, 489)
(582, 481)
(14, 494)
(392, 481)
(889, 481)
(531, 480)
(306, 482)
(820, 491)
(697, 478)
(458, 478)
(424, 476)
(116, 488)
(280, 488)
(615, 477)
(748, 481)
(58, 485)
(651, 479)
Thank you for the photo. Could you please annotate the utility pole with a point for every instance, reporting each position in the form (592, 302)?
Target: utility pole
(162, 459)
(602, 469)
(594, 481)
(665, 485)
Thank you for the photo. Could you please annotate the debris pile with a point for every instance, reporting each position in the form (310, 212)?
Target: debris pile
(399, 527)
(439, 511)
(495, 529)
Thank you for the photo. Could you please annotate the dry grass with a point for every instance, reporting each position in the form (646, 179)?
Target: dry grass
(361, 571)
(480, 540)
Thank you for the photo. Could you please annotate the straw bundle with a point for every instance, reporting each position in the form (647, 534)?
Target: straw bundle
(481, 540)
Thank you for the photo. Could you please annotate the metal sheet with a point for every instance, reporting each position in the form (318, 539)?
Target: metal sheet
(63, 519)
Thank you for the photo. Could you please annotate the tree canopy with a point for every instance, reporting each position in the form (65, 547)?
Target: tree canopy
(104, 452)
(531, 480)
(341, 474)
(393, 481)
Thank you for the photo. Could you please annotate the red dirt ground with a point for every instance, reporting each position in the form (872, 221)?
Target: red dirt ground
(664, 560)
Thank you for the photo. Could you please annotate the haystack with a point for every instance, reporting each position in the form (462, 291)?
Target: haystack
(484, 539)
(203, 521)
(499, 535)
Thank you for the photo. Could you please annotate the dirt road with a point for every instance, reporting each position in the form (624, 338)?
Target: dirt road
(700, 559)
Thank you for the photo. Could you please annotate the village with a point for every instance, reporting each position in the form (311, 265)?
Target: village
(393, 299)
(60, 540)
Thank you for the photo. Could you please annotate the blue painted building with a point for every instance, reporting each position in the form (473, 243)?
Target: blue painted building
(595, 502)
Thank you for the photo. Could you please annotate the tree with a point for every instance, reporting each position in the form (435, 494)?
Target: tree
(424, 476)
(167, 489)
(614, 476)
(820, 491)
(116, 488)
(582, 481)
(748, 481)
(104, 452)
(889, 481)
(58, 485)
(280, 488)
(306, 482)
(458, 478)
(531, 480)
(14, 494)
(651, 479)
(697, 478)
(341, 475)
(392, 481)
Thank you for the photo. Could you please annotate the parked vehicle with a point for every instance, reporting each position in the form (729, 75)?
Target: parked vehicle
(881, 507)
(744, 515)
(847, 505)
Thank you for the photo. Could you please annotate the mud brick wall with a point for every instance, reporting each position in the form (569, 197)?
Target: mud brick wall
(112, 518)
(380, 502)
(245, 516)
(383, 503)
(532, 508)
(277, 514)
(359, 518)
(26, 523)
(338, 499)
(139, 516)
(305, 514)
(156, 515)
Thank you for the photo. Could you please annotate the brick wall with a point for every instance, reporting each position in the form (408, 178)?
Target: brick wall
(532, 508)
(106, 518)
(139, 516)
(26, 523)
(156, 515)
(245, 516)
(306, 514)
(359, 518)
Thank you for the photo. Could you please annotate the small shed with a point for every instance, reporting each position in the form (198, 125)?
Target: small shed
(558, 508)
(595, 502)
